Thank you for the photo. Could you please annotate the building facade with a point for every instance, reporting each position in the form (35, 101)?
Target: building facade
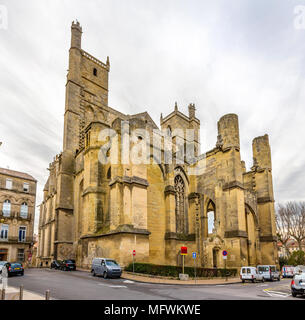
(108, 209)
(17, 214)
(291, 246)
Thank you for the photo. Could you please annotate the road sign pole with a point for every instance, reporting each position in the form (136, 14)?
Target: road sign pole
(195, 269)
(133, 263)
(183, 264)
(226, 269)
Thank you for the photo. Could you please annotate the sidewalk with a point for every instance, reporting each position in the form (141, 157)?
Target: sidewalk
(164, 280)
(12, 293)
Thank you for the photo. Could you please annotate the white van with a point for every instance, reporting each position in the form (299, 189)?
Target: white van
(251, 274)
(269, 272)
(287, 271)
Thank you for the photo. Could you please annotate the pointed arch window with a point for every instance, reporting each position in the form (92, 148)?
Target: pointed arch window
(180, 204)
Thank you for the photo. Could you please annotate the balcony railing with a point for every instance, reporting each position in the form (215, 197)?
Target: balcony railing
(16, 240)
(15, 215)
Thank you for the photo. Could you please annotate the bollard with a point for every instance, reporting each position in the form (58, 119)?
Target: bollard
(48, 295)
(21, 293)
(3, 294)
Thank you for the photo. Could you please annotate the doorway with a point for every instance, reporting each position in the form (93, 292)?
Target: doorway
(215, 255)
(3, 254)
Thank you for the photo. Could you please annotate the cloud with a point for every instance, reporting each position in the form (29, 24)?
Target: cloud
(243, 57)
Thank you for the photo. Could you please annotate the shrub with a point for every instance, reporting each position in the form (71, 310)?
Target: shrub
(173, 271)
(297, 258)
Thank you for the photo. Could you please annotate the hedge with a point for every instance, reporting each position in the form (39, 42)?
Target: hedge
(173, 271)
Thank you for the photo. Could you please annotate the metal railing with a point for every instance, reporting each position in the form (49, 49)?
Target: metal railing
(16, 240)
(14, 215)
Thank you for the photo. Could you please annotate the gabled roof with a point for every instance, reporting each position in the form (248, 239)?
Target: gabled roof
(17, 174)
(144, 115)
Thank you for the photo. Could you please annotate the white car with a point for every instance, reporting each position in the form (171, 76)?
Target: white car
(298, 284)
(250, 274)
(299, 269)
(2, 263)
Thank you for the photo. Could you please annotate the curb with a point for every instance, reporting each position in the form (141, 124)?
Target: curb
(182, 283)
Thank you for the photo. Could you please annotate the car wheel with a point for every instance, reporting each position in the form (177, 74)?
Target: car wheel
(293, 294)
(263, 280)
(243, 281)
(93, 273)
(105, 275)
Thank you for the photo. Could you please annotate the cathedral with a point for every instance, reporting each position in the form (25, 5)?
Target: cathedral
(98, 203)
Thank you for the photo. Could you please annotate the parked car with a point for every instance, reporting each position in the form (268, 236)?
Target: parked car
(299, 268)
(298, 284)
(66, 265)
(2, 264)
(14, 268)
(287, 271)
(251, 274)
(269, 272)
(55, 264)
(105, 267)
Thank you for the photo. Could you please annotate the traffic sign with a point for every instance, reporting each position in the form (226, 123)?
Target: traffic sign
(134, 252)
(183, 251)
(194, 255)
(224, 253)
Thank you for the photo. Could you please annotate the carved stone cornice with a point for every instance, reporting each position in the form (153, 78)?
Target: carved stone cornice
(236, 234)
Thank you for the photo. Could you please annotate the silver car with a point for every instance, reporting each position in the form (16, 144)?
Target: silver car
(108, 268)
(298, 284)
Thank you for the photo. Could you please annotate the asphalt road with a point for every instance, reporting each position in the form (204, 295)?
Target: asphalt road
(79, 285)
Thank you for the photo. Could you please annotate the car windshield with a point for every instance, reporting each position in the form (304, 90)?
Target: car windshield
(2, 263)
(69, 261)
(111, 263)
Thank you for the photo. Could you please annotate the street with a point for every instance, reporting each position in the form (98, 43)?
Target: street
(80, 285)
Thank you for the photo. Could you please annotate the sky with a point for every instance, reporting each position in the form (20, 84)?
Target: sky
(243, 57)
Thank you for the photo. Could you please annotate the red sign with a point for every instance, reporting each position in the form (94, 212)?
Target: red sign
(183, 250)
(134, 252)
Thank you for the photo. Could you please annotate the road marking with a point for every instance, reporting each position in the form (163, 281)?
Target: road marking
(128, 281)
(276, 293)
(110, 286)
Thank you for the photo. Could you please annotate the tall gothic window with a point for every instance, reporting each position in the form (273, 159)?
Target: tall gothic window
(180, 204)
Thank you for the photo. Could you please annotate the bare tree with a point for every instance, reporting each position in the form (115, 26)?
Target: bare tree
(282, 226)
(291, 217)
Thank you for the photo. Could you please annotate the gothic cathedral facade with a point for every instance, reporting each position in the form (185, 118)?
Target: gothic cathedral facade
(95, 209)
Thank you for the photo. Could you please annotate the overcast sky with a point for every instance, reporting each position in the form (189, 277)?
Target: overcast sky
(244, 57)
